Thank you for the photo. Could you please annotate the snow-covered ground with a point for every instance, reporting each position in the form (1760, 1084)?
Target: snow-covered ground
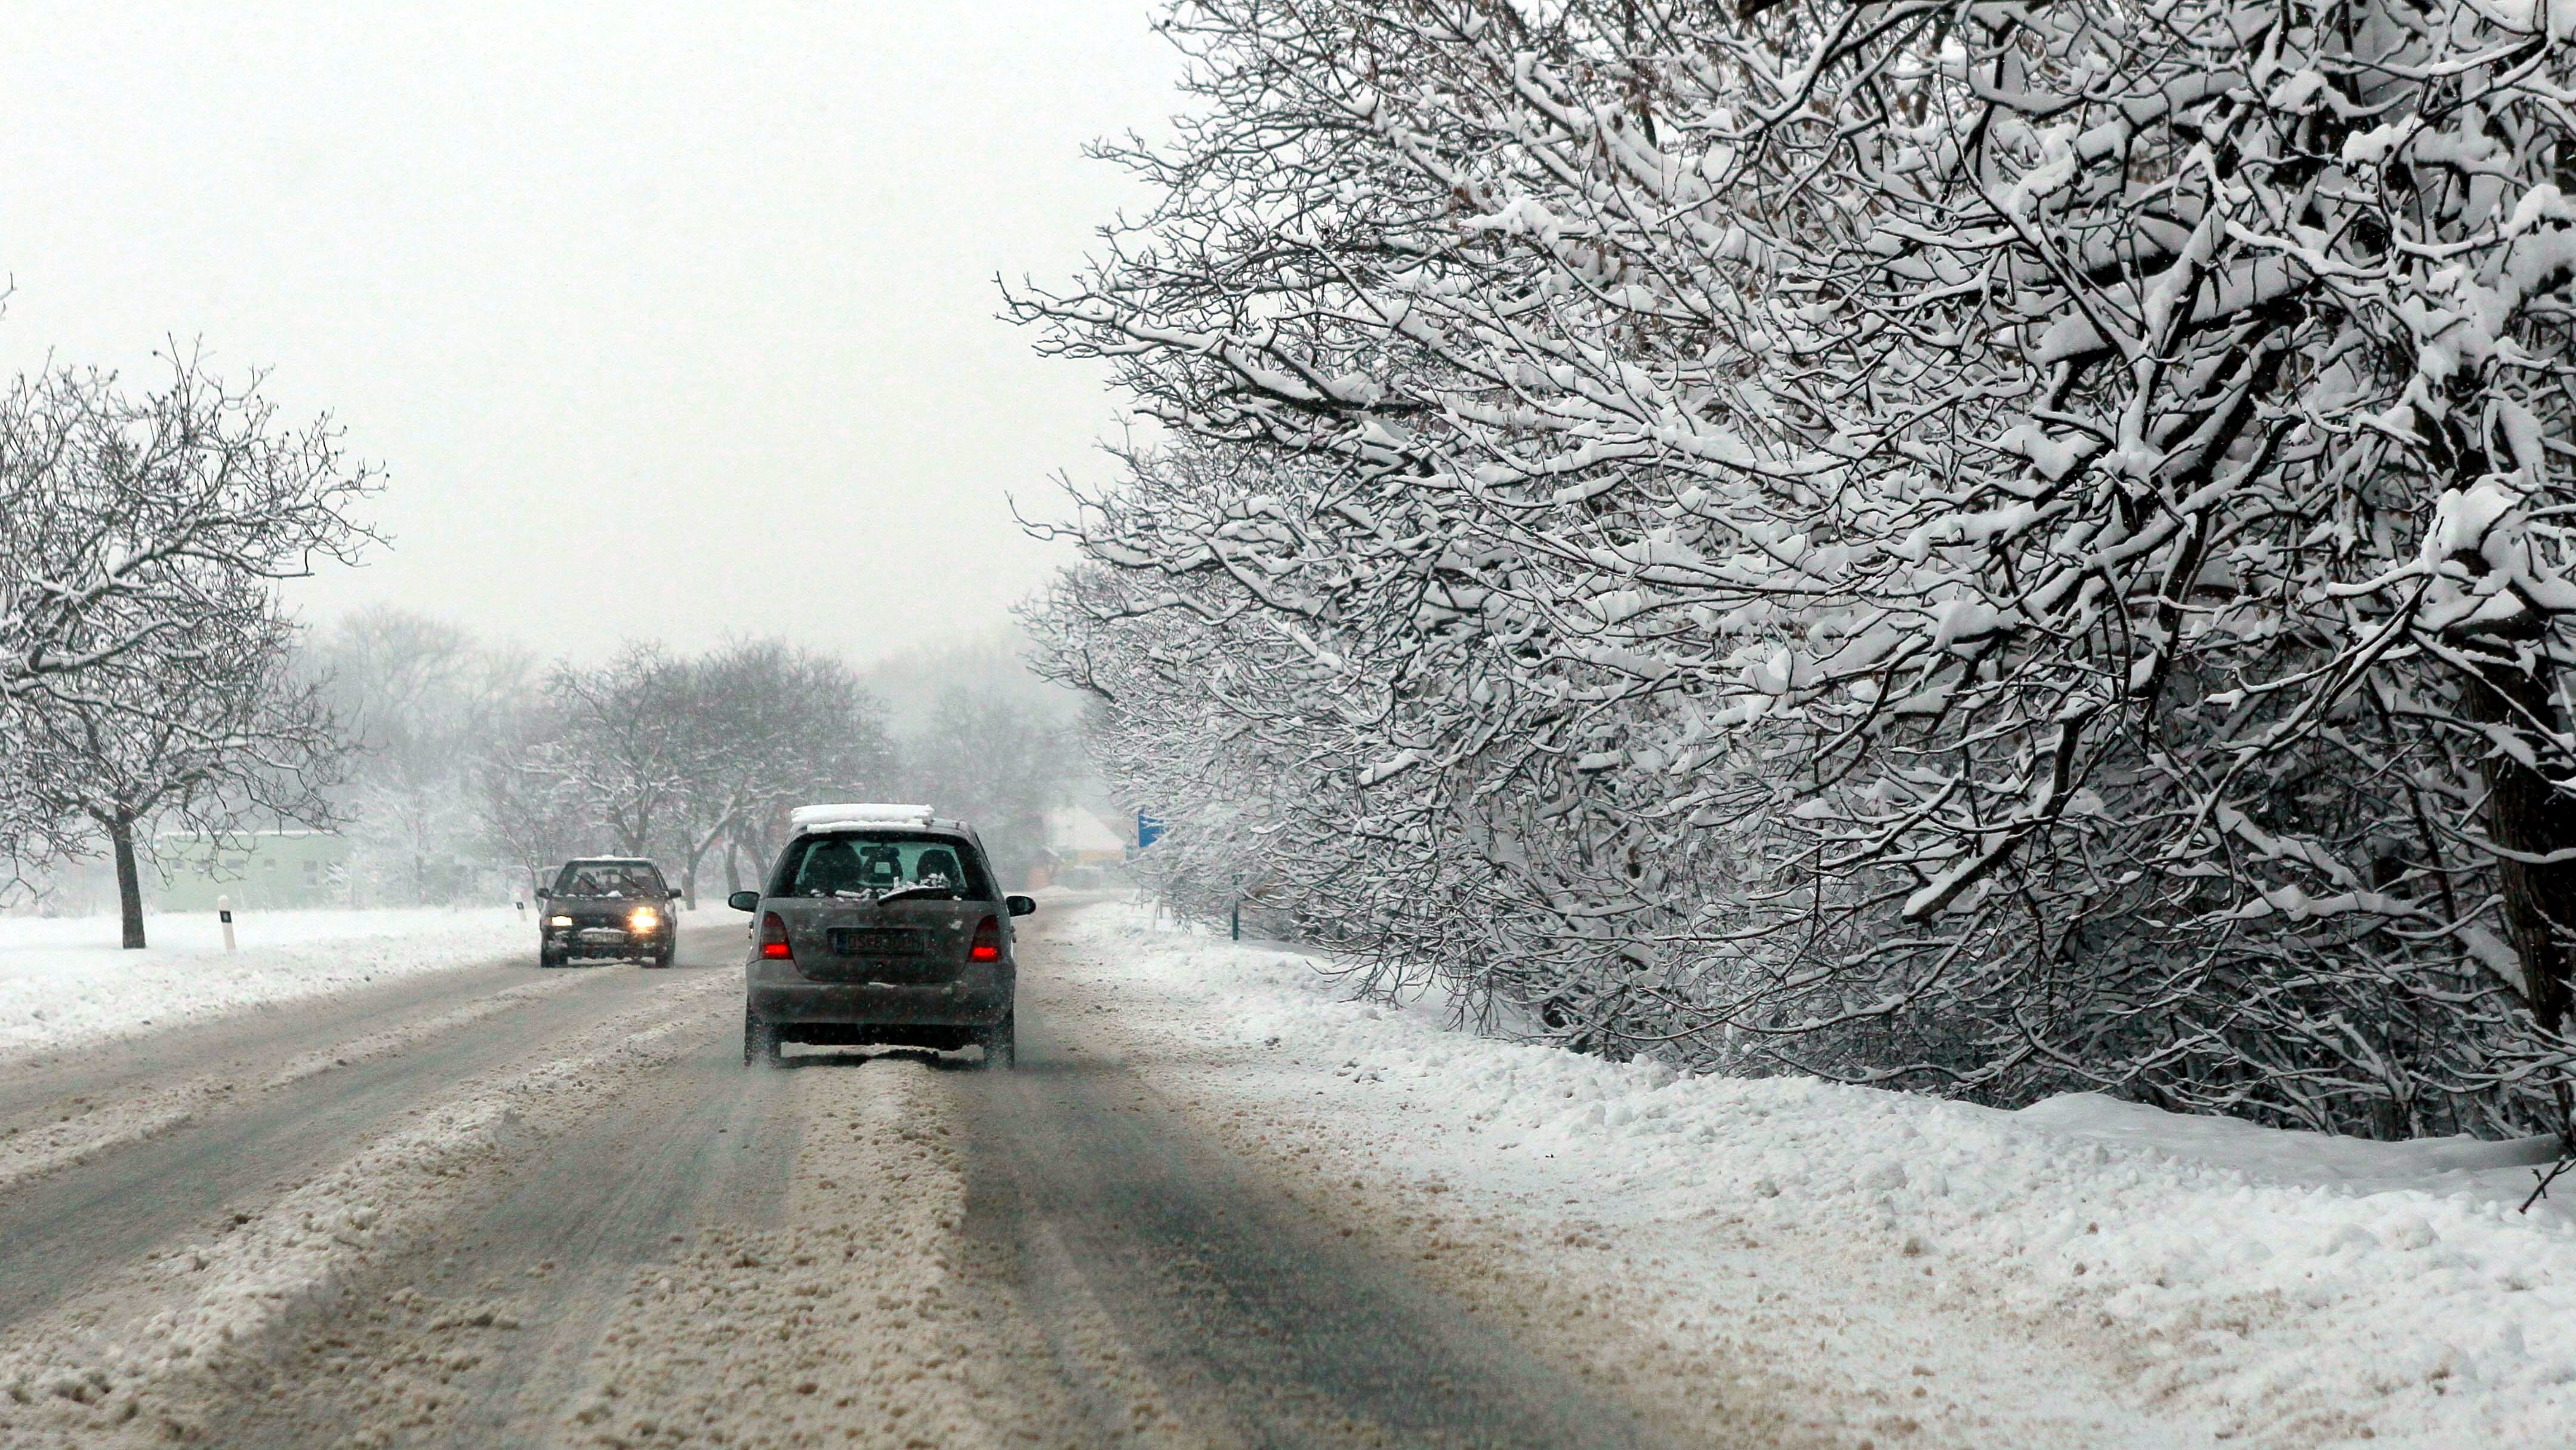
(2219, 1280)
(64, 980)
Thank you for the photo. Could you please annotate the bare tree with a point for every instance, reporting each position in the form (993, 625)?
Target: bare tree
(144, 658)
(206, 731)
(533, 814)
(989, 759)
(624, 745)
(408, 689)
(124, 518)
(684, 758)
(765, 727)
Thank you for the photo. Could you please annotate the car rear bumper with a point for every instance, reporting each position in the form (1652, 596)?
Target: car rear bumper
(979, 1000)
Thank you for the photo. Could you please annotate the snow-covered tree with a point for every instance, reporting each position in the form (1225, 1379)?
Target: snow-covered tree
(766, 728)
(623, 744)
(2009, 545)
(422, 702)
(145, 660)
(987, 758)
(206, 731)
(123, 518)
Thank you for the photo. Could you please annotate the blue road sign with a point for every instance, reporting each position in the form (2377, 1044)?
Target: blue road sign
(1149, 829)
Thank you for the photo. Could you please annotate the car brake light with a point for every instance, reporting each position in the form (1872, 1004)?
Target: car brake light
(773, 937)
(988, 941)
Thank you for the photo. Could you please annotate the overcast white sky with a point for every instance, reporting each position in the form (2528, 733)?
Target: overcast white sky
(668, 321)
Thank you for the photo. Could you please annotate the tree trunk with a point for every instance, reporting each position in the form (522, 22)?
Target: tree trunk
(2528, 814)
(698, 847)
(129, 880)
(733, 866)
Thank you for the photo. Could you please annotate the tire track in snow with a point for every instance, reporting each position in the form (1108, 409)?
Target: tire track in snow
(125, 1365)
(843, 1324)
(140, 1115)
(1806, 1339)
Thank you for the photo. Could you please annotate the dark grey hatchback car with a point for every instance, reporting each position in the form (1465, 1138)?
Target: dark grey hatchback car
(880, 924)
(615, 907)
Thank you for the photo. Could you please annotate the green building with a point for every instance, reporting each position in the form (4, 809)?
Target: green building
(259, 870)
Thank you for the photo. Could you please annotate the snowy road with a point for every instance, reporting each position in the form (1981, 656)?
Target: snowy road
(490, 1206)
(64, 1229)
(1217, 1206)
(1147, 1265)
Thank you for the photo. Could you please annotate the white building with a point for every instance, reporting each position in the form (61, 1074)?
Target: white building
(1079, 838)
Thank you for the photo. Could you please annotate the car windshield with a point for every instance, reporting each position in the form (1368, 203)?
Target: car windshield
(875, 863)
(609, 878)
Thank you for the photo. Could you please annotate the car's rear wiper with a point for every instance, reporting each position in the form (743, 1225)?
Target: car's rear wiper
(902, 891)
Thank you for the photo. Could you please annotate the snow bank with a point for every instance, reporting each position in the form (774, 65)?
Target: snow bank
(64, 980)
(2279, 1288)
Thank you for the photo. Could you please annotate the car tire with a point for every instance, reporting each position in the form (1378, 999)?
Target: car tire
(1001, 1043)
(664, 957)
(759, 1043)
(548, 958)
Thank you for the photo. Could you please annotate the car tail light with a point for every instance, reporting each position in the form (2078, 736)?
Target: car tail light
(773, 937)
(988, 941)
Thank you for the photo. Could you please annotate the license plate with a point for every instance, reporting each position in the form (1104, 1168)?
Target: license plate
(875, 941)
(603, 935)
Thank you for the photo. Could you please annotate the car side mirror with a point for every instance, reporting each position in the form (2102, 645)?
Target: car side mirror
(672, 893)
(744, 901)
(545, 893)
(1020, 905)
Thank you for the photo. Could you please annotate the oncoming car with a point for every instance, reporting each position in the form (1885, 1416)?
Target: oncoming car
(616, 907)
(880, 924)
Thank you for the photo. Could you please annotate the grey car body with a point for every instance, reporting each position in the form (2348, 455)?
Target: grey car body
(878, 930)
(616, 907)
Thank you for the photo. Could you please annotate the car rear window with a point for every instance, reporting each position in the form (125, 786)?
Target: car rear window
(609, 878)
(871, 863)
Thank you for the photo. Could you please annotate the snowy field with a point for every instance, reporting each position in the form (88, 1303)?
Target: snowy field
(2227, 1281)
(64, 980)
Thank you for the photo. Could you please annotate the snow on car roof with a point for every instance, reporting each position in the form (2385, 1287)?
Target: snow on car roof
(807, 817)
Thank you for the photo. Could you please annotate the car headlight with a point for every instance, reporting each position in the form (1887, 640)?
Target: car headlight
(558, 921)
(644, 919)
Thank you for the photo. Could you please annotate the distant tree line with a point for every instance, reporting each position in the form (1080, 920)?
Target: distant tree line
(2004, 548)
(468, 753)
(152, 681)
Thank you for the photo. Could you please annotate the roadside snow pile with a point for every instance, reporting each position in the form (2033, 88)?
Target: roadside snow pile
(2283, 1288)
(64, 980)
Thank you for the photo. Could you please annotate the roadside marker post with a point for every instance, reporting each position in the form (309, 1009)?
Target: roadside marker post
(224, 911)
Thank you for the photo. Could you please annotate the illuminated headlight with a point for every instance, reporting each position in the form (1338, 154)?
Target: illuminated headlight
(644, 919)
(558, 921)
